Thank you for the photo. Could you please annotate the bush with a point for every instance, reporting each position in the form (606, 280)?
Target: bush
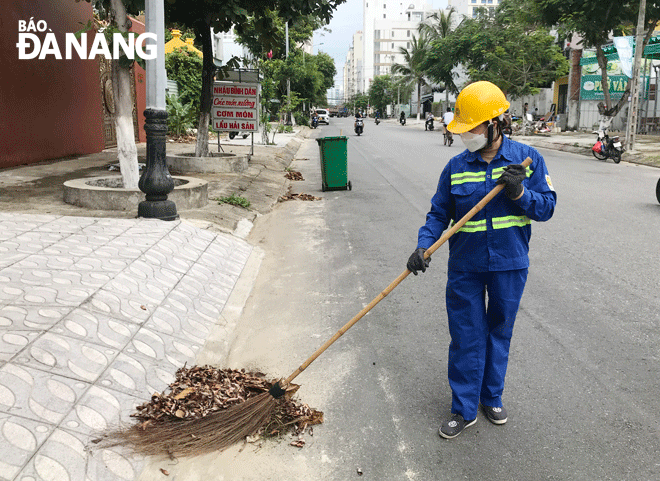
(179, 116)
(301, 118)
(185, 68)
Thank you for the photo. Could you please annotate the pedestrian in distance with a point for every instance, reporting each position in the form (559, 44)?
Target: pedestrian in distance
(488, 256)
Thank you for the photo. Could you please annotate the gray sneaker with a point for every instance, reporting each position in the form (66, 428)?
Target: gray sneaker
(453, 426)
(495, 415)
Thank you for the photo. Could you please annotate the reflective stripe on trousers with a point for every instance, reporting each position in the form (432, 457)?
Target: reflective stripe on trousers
(480, 335)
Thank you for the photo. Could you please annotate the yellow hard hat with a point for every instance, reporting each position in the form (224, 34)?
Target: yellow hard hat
(477, 103)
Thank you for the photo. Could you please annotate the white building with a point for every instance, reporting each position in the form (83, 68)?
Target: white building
(388, 25)
(353, 67)
(468, 8)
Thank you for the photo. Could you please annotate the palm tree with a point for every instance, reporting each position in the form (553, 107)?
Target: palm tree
(411, 70)
(438, 26)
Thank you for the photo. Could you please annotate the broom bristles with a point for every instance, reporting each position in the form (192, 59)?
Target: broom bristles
(214, 432)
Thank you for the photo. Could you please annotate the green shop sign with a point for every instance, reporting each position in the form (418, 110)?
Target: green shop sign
(591, 87)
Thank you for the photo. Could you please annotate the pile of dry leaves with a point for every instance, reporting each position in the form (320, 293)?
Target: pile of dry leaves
(201, 390)
(294, 175)
(290, 196)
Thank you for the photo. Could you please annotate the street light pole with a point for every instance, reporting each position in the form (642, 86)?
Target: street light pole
(156, 181)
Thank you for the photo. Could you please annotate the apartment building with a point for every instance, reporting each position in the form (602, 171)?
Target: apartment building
(388, 25)
(468, 8)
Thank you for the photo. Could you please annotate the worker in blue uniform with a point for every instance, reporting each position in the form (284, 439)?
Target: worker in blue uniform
(488, 256)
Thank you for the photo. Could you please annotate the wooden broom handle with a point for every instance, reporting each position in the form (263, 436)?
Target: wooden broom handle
(482, 203)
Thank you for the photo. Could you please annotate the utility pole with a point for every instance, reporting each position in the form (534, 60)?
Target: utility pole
(631, 128)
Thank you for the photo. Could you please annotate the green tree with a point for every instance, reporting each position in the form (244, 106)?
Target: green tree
(413, 68)
(185, 68)
(382, 93)
(325, 64)
(437, 27)
(517, 57)
(594, 21)
(357, 101)
(222, 15)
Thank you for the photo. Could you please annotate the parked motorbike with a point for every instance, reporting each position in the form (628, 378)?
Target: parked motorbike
(315, 122)
(359, 126)
(429, 124)
(234, 134)
(607, 147)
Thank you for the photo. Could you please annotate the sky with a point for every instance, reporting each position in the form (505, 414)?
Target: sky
(345, 22)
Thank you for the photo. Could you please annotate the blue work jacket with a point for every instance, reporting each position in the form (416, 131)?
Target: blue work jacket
(497, 237)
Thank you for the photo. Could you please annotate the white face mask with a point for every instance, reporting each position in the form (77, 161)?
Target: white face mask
(474, 142)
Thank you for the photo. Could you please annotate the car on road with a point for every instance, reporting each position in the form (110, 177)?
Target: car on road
(323, 116)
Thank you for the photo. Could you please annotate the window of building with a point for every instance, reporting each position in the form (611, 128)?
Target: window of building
(392, 34)
(408, 33)
(407, 44)
(384, 15)
(392, 45)
(483, 1)
(384, 5)
(474, 1)
(490, 1)
(474, 14)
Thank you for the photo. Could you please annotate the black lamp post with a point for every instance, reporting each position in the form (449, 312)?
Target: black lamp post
(156, 181)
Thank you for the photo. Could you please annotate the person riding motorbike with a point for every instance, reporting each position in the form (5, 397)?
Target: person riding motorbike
(315, 119)
(402, 118)
(447, 117)
(429, 122)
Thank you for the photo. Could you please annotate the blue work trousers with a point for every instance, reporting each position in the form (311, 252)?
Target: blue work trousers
(480, 335)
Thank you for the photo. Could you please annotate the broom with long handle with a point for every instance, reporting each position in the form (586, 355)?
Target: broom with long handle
(221, 429)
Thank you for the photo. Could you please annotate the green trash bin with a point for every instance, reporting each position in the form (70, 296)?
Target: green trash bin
(334, 163)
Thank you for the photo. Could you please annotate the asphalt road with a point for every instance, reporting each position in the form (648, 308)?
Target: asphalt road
(583, 377)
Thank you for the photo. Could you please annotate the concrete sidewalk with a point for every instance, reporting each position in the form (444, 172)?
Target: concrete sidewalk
(99, 309)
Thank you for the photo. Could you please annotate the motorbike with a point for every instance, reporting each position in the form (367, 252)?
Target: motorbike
(377, 121)
(359, 126)
(429, 124)
(234, 134)
(448, 136)
(315, 122)
(607, 147)
(402, 120)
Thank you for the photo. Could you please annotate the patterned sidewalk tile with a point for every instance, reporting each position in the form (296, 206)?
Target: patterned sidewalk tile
(138, 375)
(20, 438)
(13, 341)
(101, 410)
(38, 395)
(185, 326)
(64, 457)
(95, 316)
(97, 328)
(17, 317)
(66, 356)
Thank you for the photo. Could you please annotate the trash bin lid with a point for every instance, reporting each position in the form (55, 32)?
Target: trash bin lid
(323, 139)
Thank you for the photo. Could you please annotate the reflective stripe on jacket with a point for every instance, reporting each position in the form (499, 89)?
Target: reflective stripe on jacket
(497, 237)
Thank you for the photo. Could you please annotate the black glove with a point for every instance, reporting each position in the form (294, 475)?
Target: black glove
(512, 178)
(417, 261)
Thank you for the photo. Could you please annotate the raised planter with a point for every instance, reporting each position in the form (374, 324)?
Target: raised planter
(215, 162)
(106, 193)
